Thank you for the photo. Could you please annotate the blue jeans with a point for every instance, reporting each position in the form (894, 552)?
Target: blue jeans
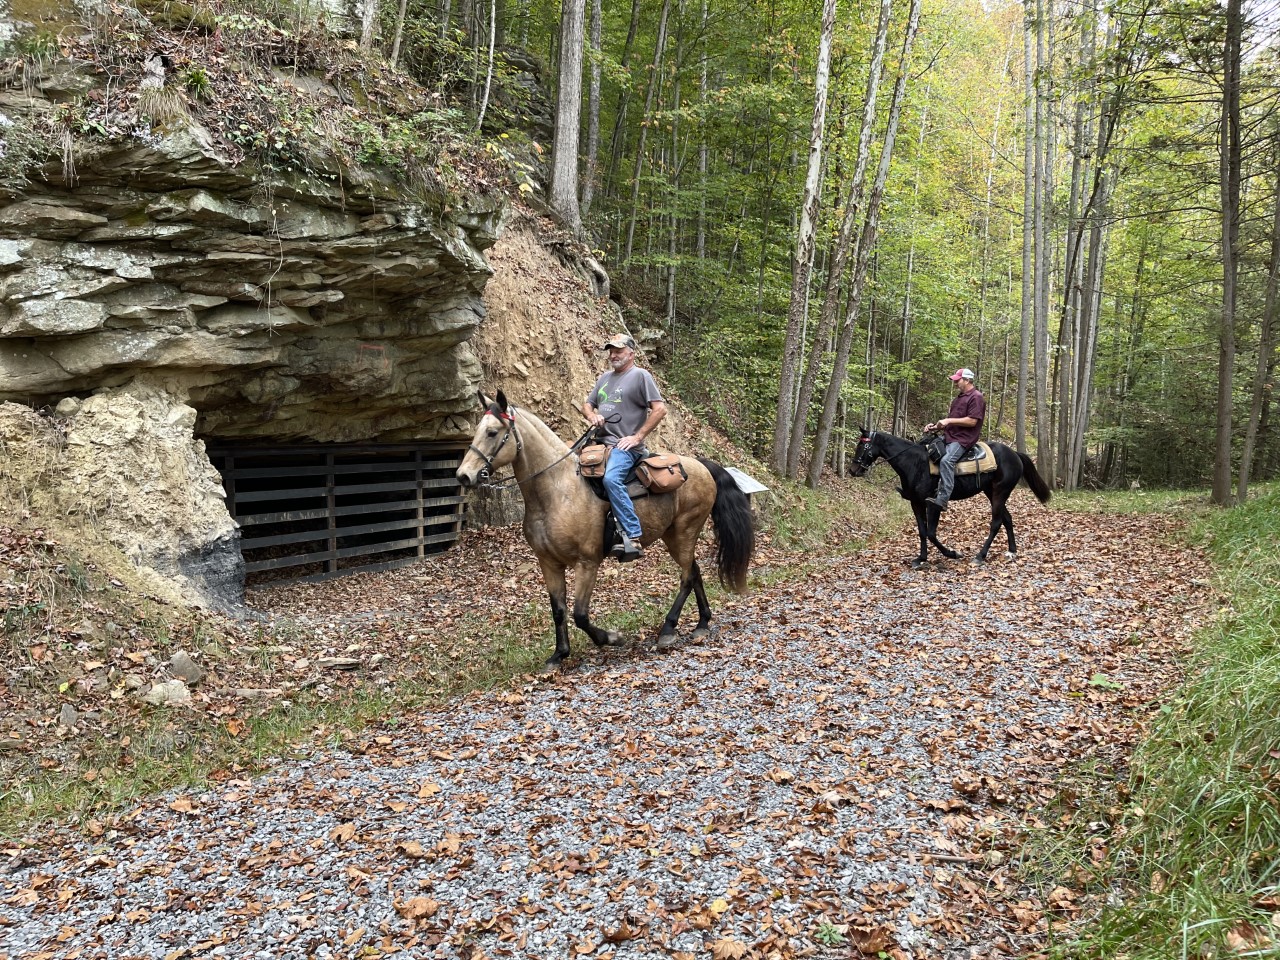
(620, 464)
(947, 471)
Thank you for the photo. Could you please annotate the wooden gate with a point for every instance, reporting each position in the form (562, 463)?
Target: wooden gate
(315, 511)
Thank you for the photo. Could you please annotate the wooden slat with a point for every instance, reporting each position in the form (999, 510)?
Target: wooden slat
(276, 563)
(311, 485)
(391, 506)
(323, 533)
(338, 469)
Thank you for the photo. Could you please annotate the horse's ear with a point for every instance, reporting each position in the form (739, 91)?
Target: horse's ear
(866, 432)
(484, 401)
(501, 401)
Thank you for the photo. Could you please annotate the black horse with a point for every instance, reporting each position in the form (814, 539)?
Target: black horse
(911, 461)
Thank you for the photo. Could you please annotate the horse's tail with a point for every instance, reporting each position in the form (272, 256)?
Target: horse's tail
(1034, 480)
(735, 528)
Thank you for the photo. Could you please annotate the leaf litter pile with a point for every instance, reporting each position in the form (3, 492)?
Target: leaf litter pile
(848, 767)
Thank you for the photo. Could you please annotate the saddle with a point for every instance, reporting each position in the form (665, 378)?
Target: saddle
(979, 459)
(655, 474)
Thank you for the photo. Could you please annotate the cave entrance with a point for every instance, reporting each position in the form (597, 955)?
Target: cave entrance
(315, 511)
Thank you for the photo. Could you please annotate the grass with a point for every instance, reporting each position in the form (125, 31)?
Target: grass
(1191, 865)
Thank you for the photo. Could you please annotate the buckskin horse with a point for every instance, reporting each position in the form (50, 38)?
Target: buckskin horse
(564, 520)
(910, 460)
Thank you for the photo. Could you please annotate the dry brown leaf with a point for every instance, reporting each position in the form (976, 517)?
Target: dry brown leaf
(417, 908)
(342, 832)
(871, 940)
(728, 949)
(412, 849)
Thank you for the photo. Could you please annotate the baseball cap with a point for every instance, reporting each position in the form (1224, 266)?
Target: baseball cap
(620, 341)
(964, 373)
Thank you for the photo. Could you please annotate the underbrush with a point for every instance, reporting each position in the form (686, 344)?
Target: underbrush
(1182, 857)
(268, 85)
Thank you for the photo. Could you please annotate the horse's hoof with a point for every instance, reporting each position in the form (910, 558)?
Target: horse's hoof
(979, 561)
(701, 633)
(916, 564)
(611, 638)
(667, 642)
(552, 666)
(1011, 556)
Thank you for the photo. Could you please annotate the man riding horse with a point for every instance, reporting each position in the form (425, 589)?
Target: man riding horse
(624, 406)
(960, 428)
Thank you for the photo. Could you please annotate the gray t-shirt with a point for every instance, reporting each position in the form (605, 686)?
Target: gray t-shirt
(623, 400)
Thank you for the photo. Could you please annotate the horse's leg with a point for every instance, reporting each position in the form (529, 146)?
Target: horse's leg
(922, 527)
(998, 514)
(934, 515)
(1012, 552)
(553, 577)
(584, 584)
(690, 581)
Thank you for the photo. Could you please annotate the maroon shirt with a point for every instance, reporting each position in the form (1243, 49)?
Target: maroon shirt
(971, 404)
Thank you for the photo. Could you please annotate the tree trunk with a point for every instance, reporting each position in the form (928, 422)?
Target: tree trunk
(702, 145)
(843, 245)
(592, 171)
(564, 151)
(1262, 390)
(368, 21)
(901, 391)
(395, 44)
(488, 76)
(1028, 224)
(797, 308)
(1044, 196)
(866, 241)
(659, 47)
(624, 98)
(1229, 177)
(674, 178)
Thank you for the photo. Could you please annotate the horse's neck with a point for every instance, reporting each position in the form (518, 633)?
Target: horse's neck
(540, 449)
(897, 452)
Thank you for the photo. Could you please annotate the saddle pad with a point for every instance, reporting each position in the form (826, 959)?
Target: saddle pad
(980, 459)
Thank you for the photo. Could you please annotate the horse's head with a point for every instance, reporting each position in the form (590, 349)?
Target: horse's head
(867, 452)
(495, 443)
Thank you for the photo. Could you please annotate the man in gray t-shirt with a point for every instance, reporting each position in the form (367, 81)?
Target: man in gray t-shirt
(625, 405)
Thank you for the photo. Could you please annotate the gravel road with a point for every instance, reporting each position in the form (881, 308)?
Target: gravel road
(847, 759)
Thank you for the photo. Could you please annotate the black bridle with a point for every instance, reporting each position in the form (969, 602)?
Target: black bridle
(488, 458)
(857, 459)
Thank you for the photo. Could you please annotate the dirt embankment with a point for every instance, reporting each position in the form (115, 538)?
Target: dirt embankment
(540, 341)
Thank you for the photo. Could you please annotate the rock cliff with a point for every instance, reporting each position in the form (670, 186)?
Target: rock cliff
(158, 288)
(282, 310)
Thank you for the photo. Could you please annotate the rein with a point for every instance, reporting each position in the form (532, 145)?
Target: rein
(884, 457)
(488, 460)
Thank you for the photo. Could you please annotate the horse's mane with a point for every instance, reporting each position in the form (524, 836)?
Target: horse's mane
(528, 419)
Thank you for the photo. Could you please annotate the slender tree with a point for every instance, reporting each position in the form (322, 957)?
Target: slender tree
(798, 306)
(591, 172)
(854, 204)
(1229, 176)
(564, 152)
(866, 241)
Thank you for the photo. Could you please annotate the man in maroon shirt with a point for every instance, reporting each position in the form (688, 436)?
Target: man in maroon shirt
(960, 429)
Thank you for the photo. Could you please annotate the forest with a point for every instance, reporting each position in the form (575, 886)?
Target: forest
(824, 209)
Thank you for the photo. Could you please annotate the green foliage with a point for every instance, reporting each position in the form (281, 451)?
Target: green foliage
(829, 935)
(197, 82)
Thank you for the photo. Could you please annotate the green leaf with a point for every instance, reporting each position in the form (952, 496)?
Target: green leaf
(1103, 682)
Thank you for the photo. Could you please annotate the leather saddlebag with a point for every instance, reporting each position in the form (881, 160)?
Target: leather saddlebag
(592, 460)
(661, 473)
